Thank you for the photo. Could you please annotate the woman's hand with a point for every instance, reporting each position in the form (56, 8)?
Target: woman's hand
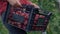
(36, 6)
(14, 2)
(17, 3)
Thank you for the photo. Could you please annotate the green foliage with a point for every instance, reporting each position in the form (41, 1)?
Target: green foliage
(3, 30)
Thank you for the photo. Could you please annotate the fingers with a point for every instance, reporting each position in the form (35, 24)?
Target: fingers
(18, 3)
(14, 2)
(36, 6)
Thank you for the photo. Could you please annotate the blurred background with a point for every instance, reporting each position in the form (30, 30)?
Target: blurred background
(54, 23)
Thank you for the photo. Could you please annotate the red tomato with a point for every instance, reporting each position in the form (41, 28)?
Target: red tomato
(25, 22)
(22, 14)
(19, 26)
(41, 16)
(24, 27)
(36, 17)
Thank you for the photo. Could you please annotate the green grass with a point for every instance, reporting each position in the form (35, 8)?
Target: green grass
(3, 30)
(54, 23)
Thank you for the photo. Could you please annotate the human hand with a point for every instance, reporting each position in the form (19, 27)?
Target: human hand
(35, 5)
(14, 2)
